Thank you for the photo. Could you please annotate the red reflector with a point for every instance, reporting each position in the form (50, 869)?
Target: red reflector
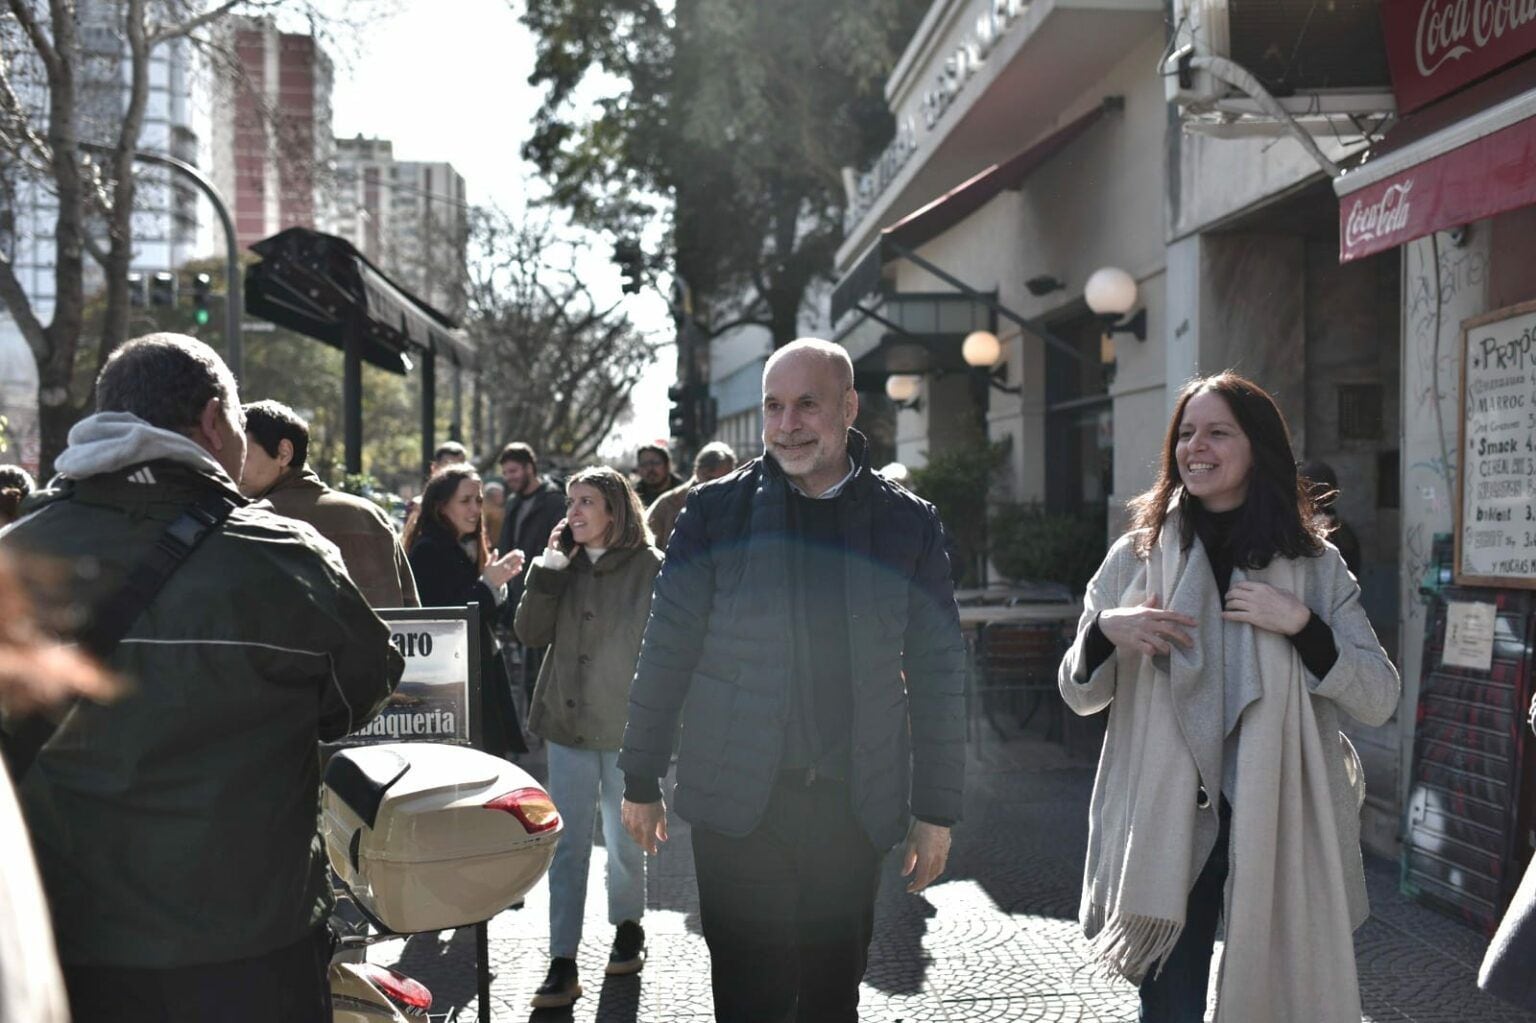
(408, 992)
(532, 807)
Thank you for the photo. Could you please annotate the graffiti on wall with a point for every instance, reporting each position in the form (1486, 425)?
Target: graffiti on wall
(1444, 284)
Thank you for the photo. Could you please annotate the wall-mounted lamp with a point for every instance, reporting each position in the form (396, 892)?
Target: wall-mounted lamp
(903, 389)
(1111, 294)
(981, 350)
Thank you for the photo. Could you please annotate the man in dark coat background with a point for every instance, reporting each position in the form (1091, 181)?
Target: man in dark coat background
(804, 632)
(534, 505)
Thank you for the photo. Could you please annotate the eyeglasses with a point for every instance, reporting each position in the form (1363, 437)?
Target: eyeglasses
(652, 463)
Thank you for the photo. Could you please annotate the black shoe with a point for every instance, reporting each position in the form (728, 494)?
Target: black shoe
(628, 955)
(560, 988)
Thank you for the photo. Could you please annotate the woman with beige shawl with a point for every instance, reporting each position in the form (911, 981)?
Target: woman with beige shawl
(1225, 635)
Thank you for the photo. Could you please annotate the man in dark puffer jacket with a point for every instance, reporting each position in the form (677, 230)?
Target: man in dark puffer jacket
(804, 630)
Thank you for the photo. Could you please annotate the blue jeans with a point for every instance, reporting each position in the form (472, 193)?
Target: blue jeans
(578, 781)
(1177, 994)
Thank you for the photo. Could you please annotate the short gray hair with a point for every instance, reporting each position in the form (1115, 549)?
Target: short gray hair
(166, 380)
(715, 455)
(831, 353)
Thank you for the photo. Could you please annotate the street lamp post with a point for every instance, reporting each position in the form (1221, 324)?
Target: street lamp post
(232, 300)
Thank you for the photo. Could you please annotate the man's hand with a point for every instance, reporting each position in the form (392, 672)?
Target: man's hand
(927, 853)
(647, 823)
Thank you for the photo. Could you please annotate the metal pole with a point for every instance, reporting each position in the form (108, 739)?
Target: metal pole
(234, 305)
(456, 427)
(352, 394)
(428, 409)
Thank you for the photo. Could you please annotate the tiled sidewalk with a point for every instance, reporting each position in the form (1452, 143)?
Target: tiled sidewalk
(996, 939)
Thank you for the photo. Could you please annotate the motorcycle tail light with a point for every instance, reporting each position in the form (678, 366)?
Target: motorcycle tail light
(532, 807)
(412, 994)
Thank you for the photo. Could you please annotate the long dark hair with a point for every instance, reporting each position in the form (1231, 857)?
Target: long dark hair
(1278, 517)
(439, 491)
(628, 528)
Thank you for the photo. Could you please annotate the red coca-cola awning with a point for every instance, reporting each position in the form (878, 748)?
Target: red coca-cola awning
(1470, 156)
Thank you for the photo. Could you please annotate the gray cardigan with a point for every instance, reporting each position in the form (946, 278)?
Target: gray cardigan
(1363, 683)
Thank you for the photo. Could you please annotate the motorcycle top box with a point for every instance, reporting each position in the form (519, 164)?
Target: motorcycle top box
(428, 836)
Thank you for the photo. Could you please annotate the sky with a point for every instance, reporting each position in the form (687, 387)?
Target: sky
(447, 80)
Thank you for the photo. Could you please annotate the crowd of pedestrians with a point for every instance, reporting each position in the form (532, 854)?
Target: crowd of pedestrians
(783, 635)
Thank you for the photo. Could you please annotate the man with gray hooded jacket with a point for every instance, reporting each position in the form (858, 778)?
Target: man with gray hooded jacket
(175, 825)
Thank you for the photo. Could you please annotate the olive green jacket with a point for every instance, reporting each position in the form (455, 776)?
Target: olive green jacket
(592, 619)
(176, 825)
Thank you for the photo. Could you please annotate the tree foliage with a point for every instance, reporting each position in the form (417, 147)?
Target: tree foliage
(560, 365)
(734, 118)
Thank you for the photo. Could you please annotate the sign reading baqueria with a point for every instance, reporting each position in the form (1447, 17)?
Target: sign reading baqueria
(438, 698)
(1496, 509)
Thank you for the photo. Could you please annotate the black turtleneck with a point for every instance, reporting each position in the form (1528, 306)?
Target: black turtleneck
(1314, 643)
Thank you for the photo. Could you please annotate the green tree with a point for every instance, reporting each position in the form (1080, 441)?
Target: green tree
(734, 119)
(305, 375)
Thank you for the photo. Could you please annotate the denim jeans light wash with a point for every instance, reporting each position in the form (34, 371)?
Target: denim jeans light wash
(580, 780)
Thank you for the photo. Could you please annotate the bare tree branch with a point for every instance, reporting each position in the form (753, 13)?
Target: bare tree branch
(22, 11)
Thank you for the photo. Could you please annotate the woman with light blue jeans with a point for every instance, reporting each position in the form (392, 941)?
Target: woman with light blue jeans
(587, 598)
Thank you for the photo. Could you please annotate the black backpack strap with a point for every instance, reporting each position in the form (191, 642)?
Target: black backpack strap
(115, 615)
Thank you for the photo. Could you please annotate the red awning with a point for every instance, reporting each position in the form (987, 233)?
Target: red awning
(1470, 156)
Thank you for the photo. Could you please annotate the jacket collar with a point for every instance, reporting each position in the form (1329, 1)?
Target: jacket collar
(109, 442)
(293, 479)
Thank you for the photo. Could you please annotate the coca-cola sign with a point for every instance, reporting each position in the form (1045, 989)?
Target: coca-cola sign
(1483, 178)
(1435, 47)
(1376, 221)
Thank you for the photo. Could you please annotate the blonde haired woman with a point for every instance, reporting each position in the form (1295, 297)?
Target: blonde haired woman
(587, 598)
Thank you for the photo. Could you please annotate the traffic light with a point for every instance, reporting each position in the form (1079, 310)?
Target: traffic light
(137, 294)
(202, 285)
(683, 420)
(162, 289)
(631, 261)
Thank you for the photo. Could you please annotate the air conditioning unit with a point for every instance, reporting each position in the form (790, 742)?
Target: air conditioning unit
(1321, 61)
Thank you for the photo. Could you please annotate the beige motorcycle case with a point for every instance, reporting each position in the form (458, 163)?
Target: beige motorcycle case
(429, 836)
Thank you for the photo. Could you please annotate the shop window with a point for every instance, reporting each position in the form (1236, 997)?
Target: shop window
(1360, 411)
(1079, 449)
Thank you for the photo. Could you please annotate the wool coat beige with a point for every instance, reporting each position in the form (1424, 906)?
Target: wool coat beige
(1363, 683)
(592, 618)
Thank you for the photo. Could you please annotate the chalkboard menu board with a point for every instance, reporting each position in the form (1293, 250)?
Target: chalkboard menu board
(1496, 529)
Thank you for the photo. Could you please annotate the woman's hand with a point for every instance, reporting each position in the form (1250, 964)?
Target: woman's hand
(554, 537)
(501, 570)
(1146, 628)
(1264, 607)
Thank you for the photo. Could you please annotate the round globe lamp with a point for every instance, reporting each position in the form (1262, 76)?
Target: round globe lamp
(902, 387)
(1110, 292)
(981, 349)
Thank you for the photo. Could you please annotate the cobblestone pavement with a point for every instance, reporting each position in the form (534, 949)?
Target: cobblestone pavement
(996, 939)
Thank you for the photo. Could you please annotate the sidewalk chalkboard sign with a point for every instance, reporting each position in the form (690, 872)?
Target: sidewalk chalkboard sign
(1496, 507)
(438, 699)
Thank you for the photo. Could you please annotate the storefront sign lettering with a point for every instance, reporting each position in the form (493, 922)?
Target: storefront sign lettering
(1437, 46)
(988, 26)
(1371, 221)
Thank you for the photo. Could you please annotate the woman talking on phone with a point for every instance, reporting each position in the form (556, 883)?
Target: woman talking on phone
(1226, 636)
(587, 598)
(446, 546)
